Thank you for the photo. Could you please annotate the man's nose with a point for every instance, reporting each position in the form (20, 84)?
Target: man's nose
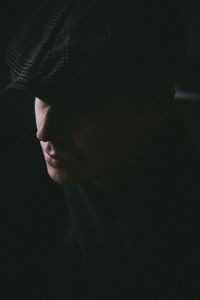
(43, 133)
(54, 128)
(47, 128)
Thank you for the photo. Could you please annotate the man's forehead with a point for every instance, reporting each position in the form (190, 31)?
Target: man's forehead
(92, 109)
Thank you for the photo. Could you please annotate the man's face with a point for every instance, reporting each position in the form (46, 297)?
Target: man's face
(89, 147)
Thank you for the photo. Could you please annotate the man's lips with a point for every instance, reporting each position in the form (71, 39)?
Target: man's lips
(54, 155)
(56, 161)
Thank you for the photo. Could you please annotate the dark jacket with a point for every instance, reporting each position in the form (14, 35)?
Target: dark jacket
(77, 241)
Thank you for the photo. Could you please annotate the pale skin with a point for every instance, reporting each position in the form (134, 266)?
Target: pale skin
(101, 147)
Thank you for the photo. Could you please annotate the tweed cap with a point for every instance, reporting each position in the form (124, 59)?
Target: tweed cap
(82, 54)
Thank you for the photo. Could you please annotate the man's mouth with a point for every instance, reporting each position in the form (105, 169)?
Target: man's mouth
(56, 162)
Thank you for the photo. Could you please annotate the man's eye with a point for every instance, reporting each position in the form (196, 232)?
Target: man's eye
(81, 118)
(96, 116)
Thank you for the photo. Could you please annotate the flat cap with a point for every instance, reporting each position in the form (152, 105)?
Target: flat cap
(81, 54)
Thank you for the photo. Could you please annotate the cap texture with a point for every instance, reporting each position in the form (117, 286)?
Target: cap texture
(82, 54)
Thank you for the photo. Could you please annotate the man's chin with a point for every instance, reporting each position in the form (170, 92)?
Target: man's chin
(60, 176)
(76, 176)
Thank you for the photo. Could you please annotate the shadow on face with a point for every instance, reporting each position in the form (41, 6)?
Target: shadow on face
(90, 147)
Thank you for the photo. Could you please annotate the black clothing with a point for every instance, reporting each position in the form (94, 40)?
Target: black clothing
(142, 238)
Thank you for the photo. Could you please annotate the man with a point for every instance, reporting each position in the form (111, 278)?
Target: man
(103, 75)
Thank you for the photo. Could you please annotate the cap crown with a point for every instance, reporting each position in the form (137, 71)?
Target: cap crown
(81, 54)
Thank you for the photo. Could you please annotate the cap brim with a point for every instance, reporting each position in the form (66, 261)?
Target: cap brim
(74, 106)
(13, 86)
